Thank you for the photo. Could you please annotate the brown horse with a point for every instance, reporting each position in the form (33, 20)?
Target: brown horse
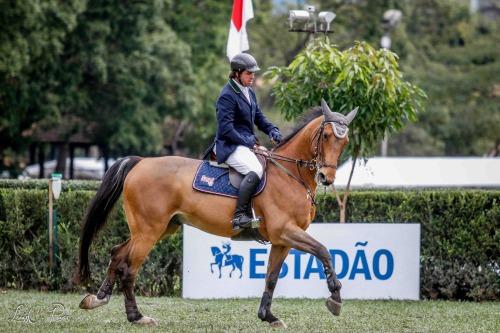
(157, 189)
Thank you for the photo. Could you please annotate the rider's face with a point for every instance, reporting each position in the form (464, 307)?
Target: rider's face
(246, 78)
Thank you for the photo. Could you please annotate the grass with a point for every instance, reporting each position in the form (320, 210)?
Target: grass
(301, 315)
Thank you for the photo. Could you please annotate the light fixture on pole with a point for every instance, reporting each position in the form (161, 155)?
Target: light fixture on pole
(307, 20)
(55, 186)
(390, 20)
(326, 18)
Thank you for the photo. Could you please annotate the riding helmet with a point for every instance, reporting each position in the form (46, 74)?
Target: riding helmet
(244, 61)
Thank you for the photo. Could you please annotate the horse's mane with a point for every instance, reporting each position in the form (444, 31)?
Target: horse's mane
(305, 119)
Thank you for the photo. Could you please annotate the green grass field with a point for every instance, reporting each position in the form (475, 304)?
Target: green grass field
(43, 312)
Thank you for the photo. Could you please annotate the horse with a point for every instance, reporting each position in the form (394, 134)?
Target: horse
(157, 189)
(233, 260)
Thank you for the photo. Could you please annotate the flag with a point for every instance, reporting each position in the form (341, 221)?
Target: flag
(238, 39)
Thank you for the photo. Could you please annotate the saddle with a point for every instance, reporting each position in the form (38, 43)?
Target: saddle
(235, 177)
(220, 179)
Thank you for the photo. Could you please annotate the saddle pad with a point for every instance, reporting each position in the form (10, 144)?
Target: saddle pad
(215, 180)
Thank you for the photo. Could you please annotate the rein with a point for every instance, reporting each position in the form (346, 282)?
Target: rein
(312, 164)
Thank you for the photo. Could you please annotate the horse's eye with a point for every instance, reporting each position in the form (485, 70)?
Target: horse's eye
(325, 136)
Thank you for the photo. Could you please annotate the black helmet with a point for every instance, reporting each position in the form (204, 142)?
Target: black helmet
(244, 61)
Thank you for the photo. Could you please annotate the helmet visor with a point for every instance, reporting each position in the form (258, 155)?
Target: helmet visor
(253, 69)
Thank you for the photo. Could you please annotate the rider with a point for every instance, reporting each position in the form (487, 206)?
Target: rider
(237, 112)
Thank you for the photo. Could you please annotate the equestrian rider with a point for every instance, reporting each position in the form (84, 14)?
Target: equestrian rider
(237, 113)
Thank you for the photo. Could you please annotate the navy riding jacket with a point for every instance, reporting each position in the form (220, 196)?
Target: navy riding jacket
(235, 120)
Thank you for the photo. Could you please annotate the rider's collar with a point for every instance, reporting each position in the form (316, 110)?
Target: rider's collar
(235, 86)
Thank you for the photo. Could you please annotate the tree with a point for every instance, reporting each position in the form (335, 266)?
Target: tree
(133, 70)
(454, 57)
(358, 76)
(114, 70)
(31, 41)
(203, 25)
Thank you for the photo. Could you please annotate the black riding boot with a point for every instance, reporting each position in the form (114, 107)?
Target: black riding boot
(248, 187)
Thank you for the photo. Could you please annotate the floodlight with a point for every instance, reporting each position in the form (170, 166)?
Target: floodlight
(327, 18)
(300, 16)
(392, 17)
(309, 19)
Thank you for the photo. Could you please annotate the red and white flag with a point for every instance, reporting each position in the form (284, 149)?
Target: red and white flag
(238, 39)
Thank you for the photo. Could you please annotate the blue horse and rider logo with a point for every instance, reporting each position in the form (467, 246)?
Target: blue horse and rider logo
(224, 258)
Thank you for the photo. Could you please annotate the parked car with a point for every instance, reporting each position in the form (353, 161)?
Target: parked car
(84, 168)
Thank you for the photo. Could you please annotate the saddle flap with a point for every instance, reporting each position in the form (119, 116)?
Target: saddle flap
(235, 178)
(214, 179)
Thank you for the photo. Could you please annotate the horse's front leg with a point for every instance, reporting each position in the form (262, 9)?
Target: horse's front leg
(300, 240)
(276, 258)
(211, 267)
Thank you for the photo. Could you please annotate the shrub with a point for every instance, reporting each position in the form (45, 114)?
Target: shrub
(24, 242)
(460, 240)
(459, 250)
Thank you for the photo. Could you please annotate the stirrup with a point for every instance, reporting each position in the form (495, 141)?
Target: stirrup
(253, 222)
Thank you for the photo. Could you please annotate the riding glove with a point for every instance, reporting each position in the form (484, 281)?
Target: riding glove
(275, 135)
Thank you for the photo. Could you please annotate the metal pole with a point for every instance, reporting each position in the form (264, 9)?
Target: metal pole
(51, 224)
(385, 42)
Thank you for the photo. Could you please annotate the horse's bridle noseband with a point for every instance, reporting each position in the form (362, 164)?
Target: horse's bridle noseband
(317, 150)
(315, 163)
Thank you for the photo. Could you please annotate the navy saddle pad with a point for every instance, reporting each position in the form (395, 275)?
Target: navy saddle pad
(215, 180)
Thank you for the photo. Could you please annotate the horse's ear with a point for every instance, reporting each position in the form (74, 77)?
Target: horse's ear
(351, 115)
(327, 113)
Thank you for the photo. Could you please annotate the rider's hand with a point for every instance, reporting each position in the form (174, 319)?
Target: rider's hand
(275, 135)
(259, 147)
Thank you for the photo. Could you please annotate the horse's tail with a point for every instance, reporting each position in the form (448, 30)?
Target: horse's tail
(99, 209)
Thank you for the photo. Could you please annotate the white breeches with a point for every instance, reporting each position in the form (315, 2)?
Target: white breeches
(243, 160)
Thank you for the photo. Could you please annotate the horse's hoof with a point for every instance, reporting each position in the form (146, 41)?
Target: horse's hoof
(333, 306)
(278, 324)
(90, 302)
(146, 321)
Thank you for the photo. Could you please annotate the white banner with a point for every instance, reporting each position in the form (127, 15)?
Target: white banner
(373, 261)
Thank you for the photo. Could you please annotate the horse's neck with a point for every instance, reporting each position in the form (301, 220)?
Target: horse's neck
(300, 148)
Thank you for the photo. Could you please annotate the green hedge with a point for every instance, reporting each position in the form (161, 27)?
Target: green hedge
(24, 242)
(459, 253)
(460, 240)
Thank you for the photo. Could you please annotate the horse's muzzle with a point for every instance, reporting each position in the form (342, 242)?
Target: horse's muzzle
(323, 179)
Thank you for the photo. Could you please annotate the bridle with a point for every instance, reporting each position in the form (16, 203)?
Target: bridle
(316, 163)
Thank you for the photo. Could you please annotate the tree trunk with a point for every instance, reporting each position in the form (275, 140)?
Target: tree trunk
(343, 201)
(342, 214)
(41, 160)
(61, 159)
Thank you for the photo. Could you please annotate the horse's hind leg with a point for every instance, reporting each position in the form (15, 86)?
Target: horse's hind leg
(135, 254)
(276, 258)
(104, 294)
(144, 237)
